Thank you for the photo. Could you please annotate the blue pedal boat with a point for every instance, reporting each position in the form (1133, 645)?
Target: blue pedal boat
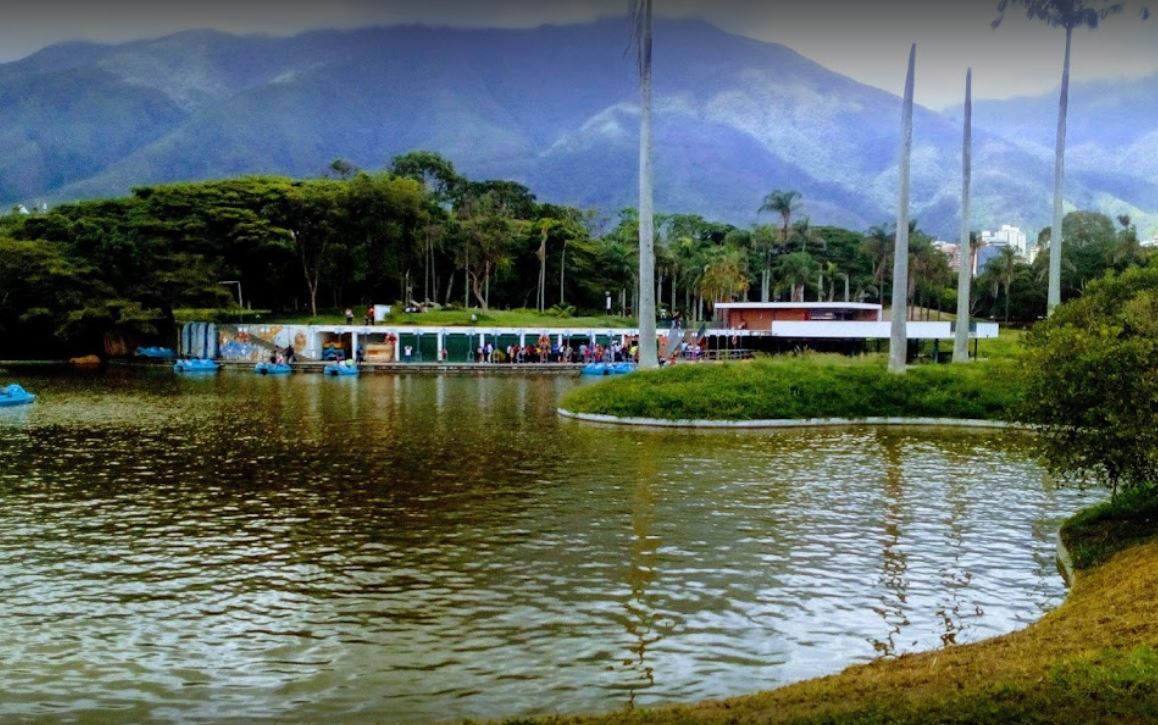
(340, 368)
(268, 368)
(13, 395)
(601, 368)
(196, 365)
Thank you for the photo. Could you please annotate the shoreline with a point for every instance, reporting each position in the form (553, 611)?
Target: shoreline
(317, 367)
(1088, 660)
(792, 422)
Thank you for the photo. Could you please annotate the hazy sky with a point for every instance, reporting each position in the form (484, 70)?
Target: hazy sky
(865, 39)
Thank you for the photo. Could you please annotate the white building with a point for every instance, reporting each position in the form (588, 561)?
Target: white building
(1010, 236)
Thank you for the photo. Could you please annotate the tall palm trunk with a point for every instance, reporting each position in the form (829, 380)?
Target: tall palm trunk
(964, 273)
(1053, 298)
(899, 340)
(648, 356)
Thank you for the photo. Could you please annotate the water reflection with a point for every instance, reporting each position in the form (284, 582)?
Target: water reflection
(894, 559)
(640, 615)
(418, 549)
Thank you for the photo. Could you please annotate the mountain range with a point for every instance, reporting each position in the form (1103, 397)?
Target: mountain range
(555, 108)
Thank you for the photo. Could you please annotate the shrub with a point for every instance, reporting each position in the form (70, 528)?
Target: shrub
(1092, 382)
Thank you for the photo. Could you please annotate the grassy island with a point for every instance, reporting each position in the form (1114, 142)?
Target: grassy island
(1093, 659)
(807, 386)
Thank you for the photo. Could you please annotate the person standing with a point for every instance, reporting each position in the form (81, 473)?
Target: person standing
(349, 316)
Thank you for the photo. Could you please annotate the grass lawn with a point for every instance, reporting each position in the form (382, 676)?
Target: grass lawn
(527, 319)
(809, 386)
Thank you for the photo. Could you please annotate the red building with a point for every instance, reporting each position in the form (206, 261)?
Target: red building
(761, 315)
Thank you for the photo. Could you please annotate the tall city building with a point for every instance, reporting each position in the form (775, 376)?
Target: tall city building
(1010, 236)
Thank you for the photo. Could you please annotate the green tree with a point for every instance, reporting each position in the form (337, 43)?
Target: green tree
(41, 285)
(784, 204)
(435, 172)
(1067, 15)
(725, 275)
(1006, 271)
(877, 246)
(803, 230)
(794, 271)
(310, 214)
(1091, 383)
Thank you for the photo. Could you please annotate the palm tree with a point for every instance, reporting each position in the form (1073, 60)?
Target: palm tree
(544, 225)
(648, 356)
(725, 276)
(802, 230)
(1065, 14)
(899, 339)
(783, 203)
(1129, 249)
(878, 246)
(794, 271)
(686, 257)
(964, 269)
(1006, 271)
(829, 268)
(763, 237)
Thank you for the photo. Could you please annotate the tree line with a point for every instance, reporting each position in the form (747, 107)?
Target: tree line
(421, 233)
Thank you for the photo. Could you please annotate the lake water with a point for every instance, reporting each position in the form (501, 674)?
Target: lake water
(423, 549)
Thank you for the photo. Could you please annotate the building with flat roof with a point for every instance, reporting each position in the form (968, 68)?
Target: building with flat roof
(761, 315)
(846, 327)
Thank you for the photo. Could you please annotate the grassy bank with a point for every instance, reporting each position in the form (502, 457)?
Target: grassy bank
(526, 319)
(1094, 659)
(810, 386)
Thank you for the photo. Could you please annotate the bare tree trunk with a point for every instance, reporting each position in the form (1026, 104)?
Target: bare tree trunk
(541, 297)
(562, 271)
(899, 339)
(648, 356)
(1055, 238)
(964, 276)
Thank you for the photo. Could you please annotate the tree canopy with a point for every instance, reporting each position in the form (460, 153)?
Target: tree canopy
(1093, 386)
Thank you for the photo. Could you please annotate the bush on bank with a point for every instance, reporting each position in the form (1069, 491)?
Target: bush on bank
(806, 386)
(1091, 380)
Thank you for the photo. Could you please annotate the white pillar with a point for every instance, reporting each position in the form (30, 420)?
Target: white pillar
(438, 354)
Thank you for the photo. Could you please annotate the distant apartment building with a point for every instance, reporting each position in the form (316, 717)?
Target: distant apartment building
(1010, 236)
(952, 252)
(991, 245)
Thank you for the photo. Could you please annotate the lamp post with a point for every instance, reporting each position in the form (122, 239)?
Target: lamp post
(238, 283)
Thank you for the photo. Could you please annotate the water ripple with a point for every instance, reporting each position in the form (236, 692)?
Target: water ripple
(417, 549)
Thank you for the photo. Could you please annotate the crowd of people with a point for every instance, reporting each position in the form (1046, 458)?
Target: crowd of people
(547, 350)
